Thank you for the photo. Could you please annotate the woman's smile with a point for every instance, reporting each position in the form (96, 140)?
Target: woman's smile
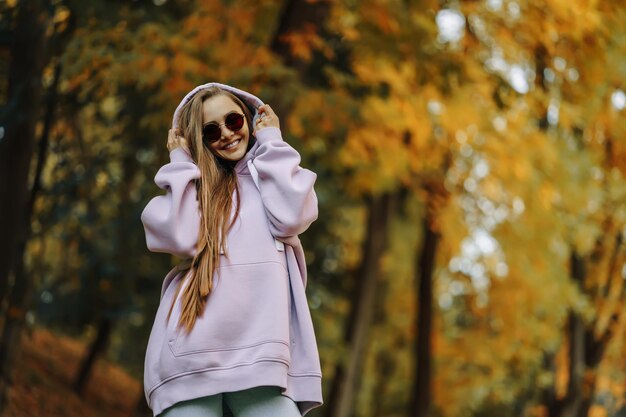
(232, 145)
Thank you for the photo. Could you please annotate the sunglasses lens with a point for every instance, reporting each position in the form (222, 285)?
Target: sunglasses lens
(234, 121)
(211, 132)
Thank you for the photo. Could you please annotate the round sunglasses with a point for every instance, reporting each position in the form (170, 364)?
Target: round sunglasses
(212, 132)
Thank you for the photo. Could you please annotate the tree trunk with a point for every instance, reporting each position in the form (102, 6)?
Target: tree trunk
(18, 121)
(345, 383)
(569, 405)
(294, 16)
(576, 367)
(586, 350)
(548, 394)
(98, 346)
(421, 399)
(20, 294)
(596, 345)
(17, 134)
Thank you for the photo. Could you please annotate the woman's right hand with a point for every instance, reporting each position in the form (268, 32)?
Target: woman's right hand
(174, 140)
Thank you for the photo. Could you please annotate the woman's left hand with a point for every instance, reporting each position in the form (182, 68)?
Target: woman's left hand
(267, 118)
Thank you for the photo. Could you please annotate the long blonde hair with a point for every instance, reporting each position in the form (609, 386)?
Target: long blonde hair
(218, 182)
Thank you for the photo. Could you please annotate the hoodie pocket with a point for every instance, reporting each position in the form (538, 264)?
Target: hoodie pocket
(249, 306)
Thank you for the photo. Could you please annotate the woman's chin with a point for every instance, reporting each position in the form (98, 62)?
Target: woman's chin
(233, 156)
(235, 153)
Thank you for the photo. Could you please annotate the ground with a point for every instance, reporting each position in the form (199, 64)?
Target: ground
(44, 375)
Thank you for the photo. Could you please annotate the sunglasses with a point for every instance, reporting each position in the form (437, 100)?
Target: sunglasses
(212, 132)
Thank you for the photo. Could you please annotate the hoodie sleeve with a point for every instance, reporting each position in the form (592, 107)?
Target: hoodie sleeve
(286, 188)
(172, 221)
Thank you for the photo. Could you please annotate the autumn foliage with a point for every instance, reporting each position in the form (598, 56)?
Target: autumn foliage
(497, 128)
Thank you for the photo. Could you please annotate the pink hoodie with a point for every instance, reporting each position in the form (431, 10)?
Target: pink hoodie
(256, 328)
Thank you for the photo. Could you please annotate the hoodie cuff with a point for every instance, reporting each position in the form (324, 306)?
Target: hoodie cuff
(268, 134)
(180, 155)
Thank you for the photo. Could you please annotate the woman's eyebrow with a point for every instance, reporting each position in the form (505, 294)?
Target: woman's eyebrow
(212, 121)
(224, 117)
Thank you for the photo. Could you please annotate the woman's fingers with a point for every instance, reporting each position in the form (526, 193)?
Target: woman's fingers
(174, 140)
(265, 110)
(266, 117)
(171, 138)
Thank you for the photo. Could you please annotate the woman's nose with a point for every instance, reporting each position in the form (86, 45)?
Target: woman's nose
(226, 132)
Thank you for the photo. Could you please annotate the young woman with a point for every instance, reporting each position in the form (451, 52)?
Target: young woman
(233, 325)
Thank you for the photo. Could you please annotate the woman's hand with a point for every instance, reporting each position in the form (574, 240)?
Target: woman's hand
(174, 140)
(267, 118)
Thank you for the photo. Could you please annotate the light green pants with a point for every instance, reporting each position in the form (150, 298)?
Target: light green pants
(264, 401)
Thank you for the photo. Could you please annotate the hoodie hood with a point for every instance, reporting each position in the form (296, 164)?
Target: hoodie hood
(250, 100)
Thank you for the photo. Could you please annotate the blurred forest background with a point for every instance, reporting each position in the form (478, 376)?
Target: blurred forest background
(469, 257)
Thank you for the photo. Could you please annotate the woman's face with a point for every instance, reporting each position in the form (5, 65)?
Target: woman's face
(232, 145)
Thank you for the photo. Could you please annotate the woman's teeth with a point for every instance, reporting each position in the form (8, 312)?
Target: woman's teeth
(235, 143)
